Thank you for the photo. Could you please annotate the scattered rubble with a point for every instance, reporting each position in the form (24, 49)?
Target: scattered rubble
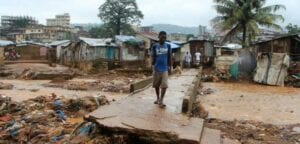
(214, 75)
(205, 91)
(48, 119)
(6, 86)
(110, 82)
(30, 71)
(293, 81)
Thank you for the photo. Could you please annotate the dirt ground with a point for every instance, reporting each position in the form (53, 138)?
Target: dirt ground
(248, 101)
(36, 71)
(114, 85)
(28, 110)
(253, 132)
(252, 113)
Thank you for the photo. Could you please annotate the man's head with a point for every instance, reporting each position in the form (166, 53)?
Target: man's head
(162, 36)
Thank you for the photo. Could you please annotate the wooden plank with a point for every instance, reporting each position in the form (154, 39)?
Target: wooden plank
(140, 85)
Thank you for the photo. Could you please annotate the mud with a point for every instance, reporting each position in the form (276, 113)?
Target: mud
(27, 89)
(111, 82)
(252, 132)
(248, 101)
(29, 71)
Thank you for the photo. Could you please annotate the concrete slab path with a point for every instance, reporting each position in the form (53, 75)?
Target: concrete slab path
(138, 113)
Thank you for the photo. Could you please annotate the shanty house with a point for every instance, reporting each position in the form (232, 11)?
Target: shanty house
(275, 57)
(132, 51)
(94, 49)
(88, 51)
(31, 51)
(58, 47)
(4, 45)
(205, 47)
(289, 44)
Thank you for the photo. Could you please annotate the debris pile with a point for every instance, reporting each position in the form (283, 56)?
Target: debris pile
(36, 74)
(205, 91)
(6, 86)
(215, 76)
(47, 119)
(293, 80)
(113, 82)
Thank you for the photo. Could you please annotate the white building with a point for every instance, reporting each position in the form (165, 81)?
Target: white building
(60, 20)
(202, 30)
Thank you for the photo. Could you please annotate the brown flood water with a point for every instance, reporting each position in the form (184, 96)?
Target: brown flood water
(244, 101)
(26, 89)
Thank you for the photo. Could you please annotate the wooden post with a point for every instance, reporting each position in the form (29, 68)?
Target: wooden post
(1, 56)
(272, 50)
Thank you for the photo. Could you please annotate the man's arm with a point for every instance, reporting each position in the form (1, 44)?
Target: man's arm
(153, 53)
(169, 56)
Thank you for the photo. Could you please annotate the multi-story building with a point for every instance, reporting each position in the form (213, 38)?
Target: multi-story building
(177, 37)
(60, 20)
(42, 34)
(147, 29)
(8, 21)
(202, 30)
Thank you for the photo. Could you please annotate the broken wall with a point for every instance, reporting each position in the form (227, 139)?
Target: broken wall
(30, 52)
(272, 69)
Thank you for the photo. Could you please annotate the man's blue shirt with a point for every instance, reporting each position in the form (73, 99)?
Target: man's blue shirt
(160, 54)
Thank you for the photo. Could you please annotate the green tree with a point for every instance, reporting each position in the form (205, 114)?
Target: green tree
(101, 32)
(189, 36)
(293, 29)
(246, 16)
(20, 23)
(119, 14)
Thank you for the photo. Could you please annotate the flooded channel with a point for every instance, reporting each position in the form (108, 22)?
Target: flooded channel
(27, 89)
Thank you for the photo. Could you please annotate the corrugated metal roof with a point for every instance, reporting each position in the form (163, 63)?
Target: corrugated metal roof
(97, 42)
(24, 43)
(60, 43)
(124, 38)
(6, 43)
(231, 46)
(279, 37)
(173, 45)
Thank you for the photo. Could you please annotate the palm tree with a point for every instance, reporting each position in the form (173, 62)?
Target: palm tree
(246, 16)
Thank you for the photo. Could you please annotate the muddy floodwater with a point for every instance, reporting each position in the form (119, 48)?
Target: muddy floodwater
(26, 89)
(244, 101)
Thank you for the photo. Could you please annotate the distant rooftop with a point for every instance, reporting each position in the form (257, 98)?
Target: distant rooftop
(6, 43)
(97, 42)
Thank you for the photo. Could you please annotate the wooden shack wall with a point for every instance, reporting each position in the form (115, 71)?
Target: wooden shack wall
(196, 46)
(30, 52)
(275, 46)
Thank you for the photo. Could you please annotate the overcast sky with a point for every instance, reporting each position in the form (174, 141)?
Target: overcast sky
(179, 12)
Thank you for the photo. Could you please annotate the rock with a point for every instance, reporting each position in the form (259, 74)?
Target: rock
(6, 86)
(296, 130)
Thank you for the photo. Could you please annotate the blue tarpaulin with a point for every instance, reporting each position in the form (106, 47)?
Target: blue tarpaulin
(173, 46)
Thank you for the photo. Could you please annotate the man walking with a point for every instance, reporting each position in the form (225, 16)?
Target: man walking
(162, 57)
(198, 58)
(187, 60)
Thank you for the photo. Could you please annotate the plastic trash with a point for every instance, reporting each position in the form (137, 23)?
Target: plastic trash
(61, 115)
(57, 138)
(57, 104)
